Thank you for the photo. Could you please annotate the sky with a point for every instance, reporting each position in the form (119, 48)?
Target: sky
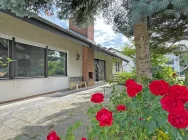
(104, 35)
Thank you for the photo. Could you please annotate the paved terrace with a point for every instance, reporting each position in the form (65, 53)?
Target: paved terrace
(33, 119)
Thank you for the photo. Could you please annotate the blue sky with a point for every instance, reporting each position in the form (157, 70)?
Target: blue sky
(104, 35)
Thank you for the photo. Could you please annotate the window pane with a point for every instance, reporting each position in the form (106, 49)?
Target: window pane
(29, 60)
(117, 66)
(56, 63)
(3, 57)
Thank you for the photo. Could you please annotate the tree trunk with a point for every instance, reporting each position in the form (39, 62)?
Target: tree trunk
(143, 63)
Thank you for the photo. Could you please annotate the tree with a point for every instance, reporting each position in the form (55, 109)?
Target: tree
(166, 31)
(157, 58)
(127, 16)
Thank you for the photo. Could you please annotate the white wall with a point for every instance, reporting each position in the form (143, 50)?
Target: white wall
(175, 62)
(20, 88)
(128, 67)
(110, 63)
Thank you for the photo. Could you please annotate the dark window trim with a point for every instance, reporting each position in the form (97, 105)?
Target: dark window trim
(12, 56)
(65, 64)
(25, 77)
(46, 63)
(117, 64)
(6, 77)
(12, 65)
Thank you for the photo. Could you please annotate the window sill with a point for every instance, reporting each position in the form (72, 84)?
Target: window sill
(29, 77)
(4, 78)
(36, 77)
(57, 76)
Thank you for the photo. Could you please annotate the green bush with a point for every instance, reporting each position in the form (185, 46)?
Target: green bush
(123, 76)
(166, 73)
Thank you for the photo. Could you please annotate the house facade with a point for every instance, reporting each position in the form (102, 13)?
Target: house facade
(127, 63)
(173, 62)
(45, 56)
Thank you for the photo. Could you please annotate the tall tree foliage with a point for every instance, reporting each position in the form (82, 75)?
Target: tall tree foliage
(127, 16)
(166, 32)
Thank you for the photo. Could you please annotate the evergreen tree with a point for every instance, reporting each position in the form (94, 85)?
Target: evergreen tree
(127, 16)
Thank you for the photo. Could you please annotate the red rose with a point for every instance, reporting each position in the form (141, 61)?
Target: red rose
(171, 104)
(159, 87)
(178, 119)
(104, 117)
(97, 98)
(129, 82)
(84, 139)
(121, 108)
(179, 92)
(134, 89)
(53, 136)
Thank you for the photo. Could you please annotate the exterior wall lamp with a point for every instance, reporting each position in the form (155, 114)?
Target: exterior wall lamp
(77, 56)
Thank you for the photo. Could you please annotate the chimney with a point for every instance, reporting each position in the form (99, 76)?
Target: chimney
(87, 53)
(87, 32)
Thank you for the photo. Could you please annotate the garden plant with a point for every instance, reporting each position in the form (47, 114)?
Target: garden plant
(153, 110)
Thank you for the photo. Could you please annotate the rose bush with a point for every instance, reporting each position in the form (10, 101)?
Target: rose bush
(153, 111)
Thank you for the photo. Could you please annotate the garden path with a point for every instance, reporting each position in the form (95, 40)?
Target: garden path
(33, 119)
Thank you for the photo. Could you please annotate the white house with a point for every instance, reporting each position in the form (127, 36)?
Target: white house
(173, 62)
(46, 56)
(126, 65)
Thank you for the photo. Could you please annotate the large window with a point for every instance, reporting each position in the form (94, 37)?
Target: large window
(56, 63)
(29, 60)
(4, 43)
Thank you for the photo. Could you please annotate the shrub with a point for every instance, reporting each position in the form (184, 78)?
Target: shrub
(166, 73)
(123, 76)
(155, 111)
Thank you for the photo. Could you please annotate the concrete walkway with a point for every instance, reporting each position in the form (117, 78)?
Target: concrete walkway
(33, 119)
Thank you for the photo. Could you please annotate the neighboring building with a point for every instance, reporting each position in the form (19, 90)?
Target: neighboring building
(173, 62)
(46, 56)
(127, 63)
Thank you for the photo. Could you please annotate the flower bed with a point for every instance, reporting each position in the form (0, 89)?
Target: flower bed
(155, 111)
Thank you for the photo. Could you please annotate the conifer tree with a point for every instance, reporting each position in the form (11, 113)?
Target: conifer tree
(127, 16)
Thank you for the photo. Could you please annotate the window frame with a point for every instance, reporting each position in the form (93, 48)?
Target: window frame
(117, 65)
(12, 54)
(14, 68)
(8, 39)
(58, 75)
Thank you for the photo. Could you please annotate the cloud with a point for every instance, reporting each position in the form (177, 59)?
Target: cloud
(106, 37)
(104, 34)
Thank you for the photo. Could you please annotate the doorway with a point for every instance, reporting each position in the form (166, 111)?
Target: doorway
(100, 70)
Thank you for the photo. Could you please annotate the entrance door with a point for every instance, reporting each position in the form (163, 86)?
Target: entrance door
(100, 72)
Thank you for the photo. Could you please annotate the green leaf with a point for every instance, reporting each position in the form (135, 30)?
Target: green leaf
(71, 137)
(9, 60)
(151, 127)
(103, 137)
(174, 134)
(126, 138)
(76, 125)
(95, 133)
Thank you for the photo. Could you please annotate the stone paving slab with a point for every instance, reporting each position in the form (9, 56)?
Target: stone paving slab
(33, 119)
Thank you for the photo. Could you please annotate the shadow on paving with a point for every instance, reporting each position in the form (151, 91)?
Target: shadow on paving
(59, 122)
